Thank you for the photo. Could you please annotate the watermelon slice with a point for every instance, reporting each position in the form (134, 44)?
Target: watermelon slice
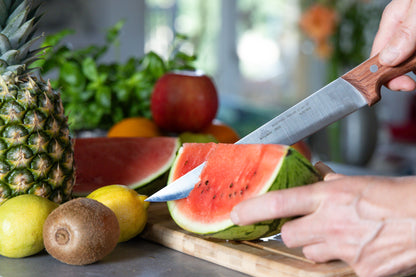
(234, 173)
(140, 163)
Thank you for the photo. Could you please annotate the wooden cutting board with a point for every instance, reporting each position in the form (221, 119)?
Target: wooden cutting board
(259, 258)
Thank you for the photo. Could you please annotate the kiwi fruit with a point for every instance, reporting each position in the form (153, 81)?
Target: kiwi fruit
(81, 231)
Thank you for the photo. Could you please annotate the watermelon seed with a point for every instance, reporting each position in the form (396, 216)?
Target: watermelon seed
(241, 192)
(199, 185)
(214, 196)
(206, 182)
(247, 187)
(229, 195)
(231, 185)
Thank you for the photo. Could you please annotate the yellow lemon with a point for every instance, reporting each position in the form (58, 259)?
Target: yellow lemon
(21, 225)
(129, 207)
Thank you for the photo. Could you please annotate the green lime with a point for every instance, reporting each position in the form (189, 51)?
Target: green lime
(196, 137)
(21, 225)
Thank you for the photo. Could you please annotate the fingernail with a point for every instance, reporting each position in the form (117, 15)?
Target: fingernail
(388, 55)
(234, 217)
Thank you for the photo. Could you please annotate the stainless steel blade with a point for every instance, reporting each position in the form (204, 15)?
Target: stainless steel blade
(329, 104)
(180, 188)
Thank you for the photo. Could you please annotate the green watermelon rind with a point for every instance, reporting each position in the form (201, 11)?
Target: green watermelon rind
(301, 171)
(157, 180)
(155, 184)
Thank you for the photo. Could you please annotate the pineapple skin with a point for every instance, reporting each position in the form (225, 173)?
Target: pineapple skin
(36, 151)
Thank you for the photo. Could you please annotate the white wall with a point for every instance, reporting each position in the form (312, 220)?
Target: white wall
(91, 18)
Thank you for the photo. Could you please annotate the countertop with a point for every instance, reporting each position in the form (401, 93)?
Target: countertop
(136, 257)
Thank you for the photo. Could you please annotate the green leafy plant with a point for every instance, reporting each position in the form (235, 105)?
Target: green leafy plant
(96, 94)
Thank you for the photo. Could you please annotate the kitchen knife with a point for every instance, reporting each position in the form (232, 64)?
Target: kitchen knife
(350, 92)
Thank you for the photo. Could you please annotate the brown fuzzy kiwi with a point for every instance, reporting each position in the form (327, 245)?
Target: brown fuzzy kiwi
(81, 231)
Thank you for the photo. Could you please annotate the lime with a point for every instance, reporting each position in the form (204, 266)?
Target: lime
(129, 207)
(21, 225)
(196, 137)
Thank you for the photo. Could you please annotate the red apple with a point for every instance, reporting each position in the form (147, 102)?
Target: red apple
(184, 101)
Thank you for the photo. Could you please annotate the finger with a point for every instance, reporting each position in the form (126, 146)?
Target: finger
(402, 83)
(326, 251)
(390, 21)
(276, 204)
(318, 252)
(402, 44)
(301, 231)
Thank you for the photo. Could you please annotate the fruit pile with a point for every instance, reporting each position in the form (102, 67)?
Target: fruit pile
(37, 163)
(80, 231)
(37, 205)
(184, 104)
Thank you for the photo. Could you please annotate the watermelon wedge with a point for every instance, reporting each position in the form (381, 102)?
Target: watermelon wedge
(140, 163)
(234, 173)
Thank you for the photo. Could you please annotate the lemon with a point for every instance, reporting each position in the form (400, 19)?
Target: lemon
(21, 225)
(129, 207)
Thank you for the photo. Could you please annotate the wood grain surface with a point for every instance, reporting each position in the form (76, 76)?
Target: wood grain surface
(256, 258)
(369, 76)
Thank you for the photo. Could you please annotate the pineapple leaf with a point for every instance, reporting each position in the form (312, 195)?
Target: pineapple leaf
(19, 14)
(10, 56)
(4, 44)
(14, 4)
(3, 14)
(21, 34)
(25, 48)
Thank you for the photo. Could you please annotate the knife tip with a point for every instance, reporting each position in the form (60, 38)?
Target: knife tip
(151, 199)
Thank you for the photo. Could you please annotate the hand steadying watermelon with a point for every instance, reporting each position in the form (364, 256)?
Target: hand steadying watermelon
(140, 163)
(235, 172)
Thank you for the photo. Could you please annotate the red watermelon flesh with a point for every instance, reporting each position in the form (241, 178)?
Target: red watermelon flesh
(233, 173)
(131, 161)
(252, 164)
(192, 155)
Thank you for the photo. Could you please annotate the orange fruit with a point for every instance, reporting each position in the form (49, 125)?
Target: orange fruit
(222, 132)
(134, 127)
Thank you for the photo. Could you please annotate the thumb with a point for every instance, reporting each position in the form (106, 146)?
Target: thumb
(403, 42)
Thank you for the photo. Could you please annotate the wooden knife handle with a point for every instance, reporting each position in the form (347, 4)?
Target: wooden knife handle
(369, 76)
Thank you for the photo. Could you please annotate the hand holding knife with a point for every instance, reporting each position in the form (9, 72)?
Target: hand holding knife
(357, 88)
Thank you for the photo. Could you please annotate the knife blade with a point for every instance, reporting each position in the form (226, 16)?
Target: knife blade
(357, 88)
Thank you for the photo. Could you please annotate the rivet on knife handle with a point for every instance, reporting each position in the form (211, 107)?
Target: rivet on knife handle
(369, 76)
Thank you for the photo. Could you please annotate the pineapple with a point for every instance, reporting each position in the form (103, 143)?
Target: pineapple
(36, 151)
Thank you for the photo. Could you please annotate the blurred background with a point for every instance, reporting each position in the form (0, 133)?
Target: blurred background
(264, 56)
